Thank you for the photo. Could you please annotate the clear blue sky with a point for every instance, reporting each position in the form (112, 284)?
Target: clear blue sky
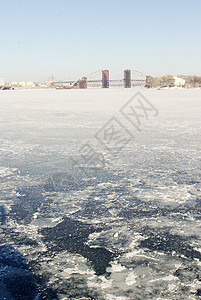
(71, 38)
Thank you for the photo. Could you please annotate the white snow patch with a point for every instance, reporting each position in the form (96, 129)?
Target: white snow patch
(6, 171)
(117, 267)
(166, 278)
(131, 278)
(114, 297)
(105, 284)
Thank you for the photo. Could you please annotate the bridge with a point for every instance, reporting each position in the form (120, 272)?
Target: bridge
(131, 78)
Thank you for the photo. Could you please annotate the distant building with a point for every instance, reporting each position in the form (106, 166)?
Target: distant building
(2, 81)
(176, 81)
(14, 83)
(30, 84)
(22, 83)
(42, 85)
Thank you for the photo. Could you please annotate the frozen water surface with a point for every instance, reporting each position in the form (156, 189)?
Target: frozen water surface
(124, 227)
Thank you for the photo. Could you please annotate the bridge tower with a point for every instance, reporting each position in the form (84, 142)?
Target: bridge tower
(149, 81)
(105, 79)
(83, 83)
(127, 78)
(50, 80)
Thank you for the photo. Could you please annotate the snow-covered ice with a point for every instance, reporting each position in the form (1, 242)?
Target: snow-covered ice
(116, 224)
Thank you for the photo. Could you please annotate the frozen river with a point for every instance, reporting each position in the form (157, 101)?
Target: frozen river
(102, 193)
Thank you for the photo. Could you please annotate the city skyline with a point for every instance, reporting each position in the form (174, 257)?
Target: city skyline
(70, 40)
